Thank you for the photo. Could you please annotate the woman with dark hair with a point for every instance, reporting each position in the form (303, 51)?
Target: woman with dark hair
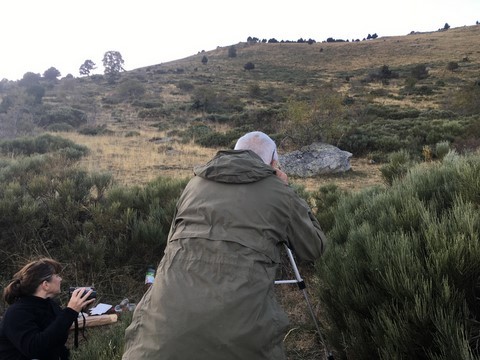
(34, 326)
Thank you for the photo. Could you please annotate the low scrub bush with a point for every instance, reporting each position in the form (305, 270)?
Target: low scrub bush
(59, 127)
(393, 135)
(95, 130)
(151, 113)
(465, 101)
(39, 145)
(105, 235)
(392, 112)
(147, 104)
(400, 277)
(185, 86)
(397, 167)
(216, 139)
(63, 115)
(325, 201)
(195, 131)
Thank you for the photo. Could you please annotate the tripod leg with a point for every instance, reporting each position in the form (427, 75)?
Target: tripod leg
(302, 286)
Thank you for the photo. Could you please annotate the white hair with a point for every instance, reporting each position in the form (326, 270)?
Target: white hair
(260, 143)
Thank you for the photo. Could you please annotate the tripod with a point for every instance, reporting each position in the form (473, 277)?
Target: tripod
(301, 286)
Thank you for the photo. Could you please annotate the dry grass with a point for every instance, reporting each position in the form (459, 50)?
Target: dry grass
(138, 160)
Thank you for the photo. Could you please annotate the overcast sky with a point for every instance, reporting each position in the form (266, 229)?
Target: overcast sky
(39, 34)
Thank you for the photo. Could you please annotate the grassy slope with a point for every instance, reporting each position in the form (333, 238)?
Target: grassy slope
(285, 68)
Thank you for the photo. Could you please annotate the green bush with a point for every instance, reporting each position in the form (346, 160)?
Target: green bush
(95, 130)
(400, 277)
(132, 133)
(147, 104)
(38, 145)
(464, 101)
(53, 209)
(63, 115)
(393, 135)
(326, 200)
(210, 101)
(151, 113)
(59, 127)
(130, 89)
(185, 86)
(442, 149)
(225, 140)
(397, 167)
(195, 131)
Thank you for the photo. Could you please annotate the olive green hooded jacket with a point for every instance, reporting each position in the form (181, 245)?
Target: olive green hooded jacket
(213, 296)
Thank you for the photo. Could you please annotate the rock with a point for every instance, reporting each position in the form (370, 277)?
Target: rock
(315, 159)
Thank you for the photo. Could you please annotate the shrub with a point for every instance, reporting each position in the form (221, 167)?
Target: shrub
(442, 149)
(326, 200)
(55, 210)
(151, 113)
(132, 134)
(397, 167)
(185, 86)
(95, 130)
(195, 131)
(225, 140)
(63, 115)
(420, 72)
(38, 145)
(130, 89)
(147, 104)
(400, 277)
(249, 66)
(452, 65)
(466, 100)
(59, 127)
(383, 74)
(209, 101)
(232, 51)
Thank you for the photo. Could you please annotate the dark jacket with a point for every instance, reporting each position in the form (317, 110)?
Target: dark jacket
(213, 296)
(35, 328)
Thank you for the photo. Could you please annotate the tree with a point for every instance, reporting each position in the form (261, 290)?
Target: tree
(249, 66)
(446, 26)
(232, 51)
(86, 67)
(51, 73)
(204, 59)
(36, 93)
(113, 63)
(420, 72)
(29, 78)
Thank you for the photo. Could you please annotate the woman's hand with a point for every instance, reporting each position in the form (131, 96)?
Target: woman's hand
(78, 300)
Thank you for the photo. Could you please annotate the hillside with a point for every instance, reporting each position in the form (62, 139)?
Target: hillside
(369, 97)
(372, 98)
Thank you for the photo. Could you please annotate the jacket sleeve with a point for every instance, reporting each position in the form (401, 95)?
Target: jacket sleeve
(305, 236)
(21, 328)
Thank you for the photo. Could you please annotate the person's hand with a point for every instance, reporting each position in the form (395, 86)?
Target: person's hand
(280, 174)
(78, 300)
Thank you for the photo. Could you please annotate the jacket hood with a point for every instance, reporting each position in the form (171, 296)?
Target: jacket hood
(235, 167)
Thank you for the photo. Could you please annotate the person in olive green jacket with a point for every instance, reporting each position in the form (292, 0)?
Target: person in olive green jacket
(213, 295)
